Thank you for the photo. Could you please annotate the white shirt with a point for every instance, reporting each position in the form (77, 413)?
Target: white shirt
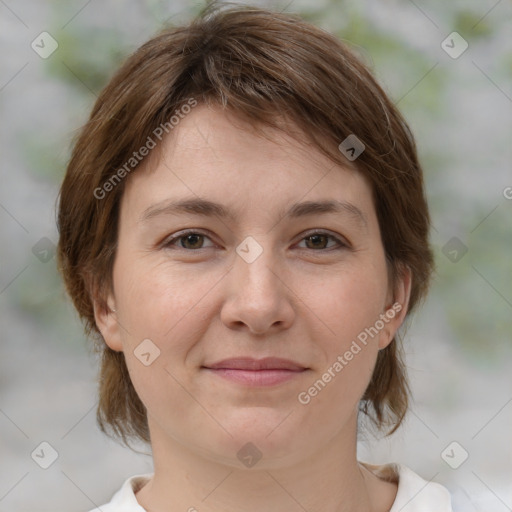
(414, 494)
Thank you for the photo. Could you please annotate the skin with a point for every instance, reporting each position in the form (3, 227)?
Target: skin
(199, 302)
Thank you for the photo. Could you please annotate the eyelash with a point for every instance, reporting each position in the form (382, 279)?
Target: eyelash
(170, 242)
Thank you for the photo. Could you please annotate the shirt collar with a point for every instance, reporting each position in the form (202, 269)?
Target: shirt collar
(414, 493)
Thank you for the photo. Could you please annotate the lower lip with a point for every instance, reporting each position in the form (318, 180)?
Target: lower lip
(256, 377)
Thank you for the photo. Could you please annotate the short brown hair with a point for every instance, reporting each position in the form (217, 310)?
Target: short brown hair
(263, 66)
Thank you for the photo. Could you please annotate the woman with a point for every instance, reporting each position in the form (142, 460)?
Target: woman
(243, 228)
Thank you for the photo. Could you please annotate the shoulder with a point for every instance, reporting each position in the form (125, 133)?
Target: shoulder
(124, 499)
(415, 494)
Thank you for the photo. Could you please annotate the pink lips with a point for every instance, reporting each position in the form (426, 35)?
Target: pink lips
(256, 372)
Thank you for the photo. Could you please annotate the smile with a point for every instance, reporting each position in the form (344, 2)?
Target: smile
(248, 371)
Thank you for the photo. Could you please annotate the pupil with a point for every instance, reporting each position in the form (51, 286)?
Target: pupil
(189, 237)
(316, 238)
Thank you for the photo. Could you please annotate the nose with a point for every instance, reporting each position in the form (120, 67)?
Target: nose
(258, 297)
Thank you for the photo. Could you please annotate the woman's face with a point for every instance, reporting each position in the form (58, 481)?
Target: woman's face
(283, 259)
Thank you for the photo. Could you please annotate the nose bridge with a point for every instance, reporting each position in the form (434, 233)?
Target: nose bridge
(254, 265)
(257, 297)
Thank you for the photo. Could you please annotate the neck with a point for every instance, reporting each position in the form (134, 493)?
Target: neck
(330, 480)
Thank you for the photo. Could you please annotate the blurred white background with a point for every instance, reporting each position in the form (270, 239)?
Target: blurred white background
(459, 345)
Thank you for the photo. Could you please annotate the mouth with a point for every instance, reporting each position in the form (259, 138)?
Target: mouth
(256, 372)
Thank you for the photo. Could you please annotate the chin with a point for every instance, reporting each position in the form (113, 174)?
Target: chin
(261, 438)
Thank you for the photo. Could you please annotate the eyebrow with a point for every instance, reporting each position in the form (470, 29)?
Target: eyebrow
(206, 208)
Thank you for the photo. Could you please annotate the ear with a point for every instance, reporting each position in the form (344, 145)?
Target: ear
(396, 307)
(106, 319)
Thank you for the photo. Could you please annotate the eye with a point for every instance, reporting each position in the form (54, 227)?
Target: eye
(191, 240)
(320, 239)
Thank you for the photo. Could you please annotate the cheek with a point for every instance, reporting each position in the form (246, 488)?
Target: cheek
(159, 298)
(348, 306)
(349, 302)
(163, 305)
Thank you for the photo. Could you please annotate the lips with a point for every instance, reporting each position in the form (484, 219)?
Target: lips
(247, 371)
(251, 364)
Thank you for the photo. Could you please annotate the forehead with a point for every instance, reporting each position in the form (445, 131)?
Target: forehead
(213, 154)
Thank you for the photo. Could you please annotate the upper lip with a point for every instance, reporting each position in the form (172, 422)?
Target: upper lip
(249, 363)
